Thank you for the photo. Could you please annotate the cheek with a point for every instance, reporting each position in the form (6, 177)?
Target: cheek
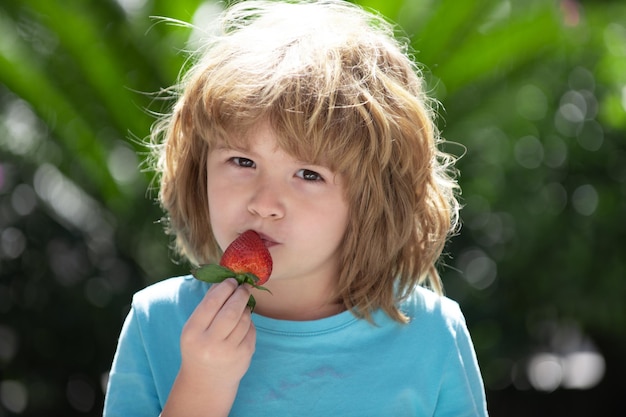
(340, 227)
(219, 193)
(335, 215)
(221, 208)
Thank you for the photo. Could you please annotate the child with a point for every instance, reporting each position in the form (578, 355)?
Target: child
(307, 123)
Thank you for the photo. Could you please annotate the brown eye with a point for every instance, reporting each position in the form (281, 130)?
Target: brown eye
(308, 175)
(243, 162)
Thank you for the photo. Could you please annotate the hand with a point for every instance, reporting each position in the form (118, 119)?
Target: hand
(218, 339)
(217, 344)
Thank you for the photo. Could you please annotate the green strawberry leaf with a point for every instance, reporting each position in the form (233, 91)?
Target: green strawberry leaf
(252, 279)
(212, 273)
(251, 303)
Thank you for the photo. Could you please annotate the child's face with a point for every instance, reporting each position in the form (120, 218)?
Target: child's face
(299, 209)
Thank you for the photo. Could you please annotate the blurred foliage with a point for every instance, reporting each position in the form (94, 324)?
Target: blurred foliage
(533, 96)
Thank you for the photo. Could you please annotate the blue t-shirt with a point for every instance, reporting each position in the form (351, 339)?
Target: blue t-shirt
(336, 366)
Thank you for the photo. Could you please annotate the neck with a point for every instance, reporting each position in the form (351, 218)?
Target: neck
(289, 300)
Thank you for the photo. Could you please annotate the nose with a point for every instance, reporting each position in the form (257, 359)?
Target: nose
(266, 201)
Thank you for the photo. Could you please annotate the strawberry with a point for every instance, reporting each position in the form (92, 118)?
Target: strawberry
(248, 254)
(246, 259)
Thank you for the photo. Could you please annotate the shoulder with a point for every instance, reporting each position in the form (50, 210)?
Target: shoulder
(426, 308)
(178, 292)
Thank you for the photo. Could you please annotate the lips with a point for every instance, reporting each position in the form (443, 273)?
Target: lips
(268, 241)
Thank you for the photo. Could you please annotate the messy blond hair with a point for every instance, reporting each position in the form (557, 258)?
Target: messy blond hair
(338, 89)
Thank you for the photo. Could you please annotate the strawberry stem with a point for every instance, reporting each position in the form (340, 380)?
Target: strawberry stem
(213, 274)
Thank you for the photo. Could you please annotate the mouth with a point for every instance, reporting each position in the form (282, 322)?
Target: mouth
(267, 241)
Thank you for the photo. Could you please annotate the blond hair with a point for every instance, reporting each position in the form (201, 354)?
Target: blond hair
(338, 89)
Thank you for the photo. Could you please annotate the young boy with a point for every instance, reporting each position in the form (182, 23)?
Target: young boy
(307, 123)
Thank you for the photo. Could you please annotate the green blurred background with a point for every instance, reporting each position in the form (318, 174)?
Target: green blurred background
(535, 90)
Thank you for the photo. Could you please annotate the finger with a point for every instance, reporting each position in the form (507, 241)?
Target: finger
(210, 305)
(241, 330)
(230, 314)
(249, 341)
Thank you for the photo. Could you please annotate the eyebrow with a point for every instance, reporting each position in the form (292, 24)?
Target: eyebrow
(222, 146)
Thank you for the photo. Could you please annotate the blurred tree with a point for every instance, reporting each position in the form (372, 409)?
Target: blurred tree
(533, 94)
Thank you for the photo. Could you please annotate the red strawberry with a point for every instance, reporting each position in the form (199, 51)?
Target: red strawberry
(246, 254)
(246, 259)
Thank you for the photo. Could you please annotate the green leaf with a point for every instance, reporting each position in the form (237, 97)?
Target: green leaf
(447, 22)
(387, 8)
(252, 279)
(212, 273)
(249, 278)
(497, 52)
(251, 303)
